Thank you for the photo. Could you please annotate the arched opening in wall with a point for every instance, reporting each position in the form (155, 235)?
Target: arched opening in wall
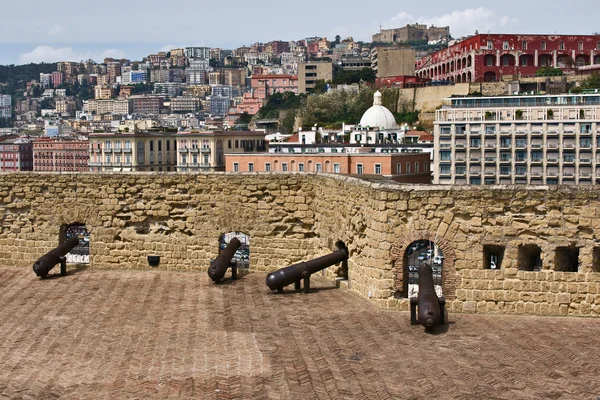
(489, 60)
(596, 259)
(418, 253)
(545, 60)
(507, 60)
(492, 256)
(529, 258)
(526, 60)
(582, 60)
(327, 166)
(458, 79)
(469, 61)
(242, 255)
(566, 259)
(80, 254)
(596, 59)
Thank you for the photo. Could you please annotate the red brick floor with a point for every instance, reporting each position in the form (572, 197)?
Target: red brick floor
(156, 334)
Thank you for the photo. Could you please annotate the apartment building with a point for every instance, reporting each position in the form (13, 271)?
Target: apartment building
(534, 140)
(185, 104)
(5, 106)
(205, 151)
(146, 104)
(197, 52)
(103, 92)
(16, 155)
(266, 85)
(196, 76)
(60, 155)
(392, 60)
(135, 151)
(311, 71)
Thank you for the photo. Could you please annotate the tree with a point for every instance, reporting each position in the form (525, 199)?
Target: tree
(592, 82)
(320, 87)
(245, 118)
(36, 90)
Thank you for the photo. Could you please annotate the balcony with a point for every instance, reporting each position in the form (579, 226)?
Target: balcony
(552, 174)
(585, 174)
(521, 173)
(505, 160)
(204, 165)
(521, 160)
(127, 150)
(460, 159)
(474, 173)
(97, 150)
(536, 145)
(505, 133)
(205, 150)
(536, 174)
(94, 164)
(552, 132)
(521, 145)
(475, 159)
(490, 173)
(585, 161)
(490, 159)
(552, 160)
(445, 132)
(107, 151)
(460, 145)
(505, 173)
(446, 160)
(194, 150)
(552, 145)
(536, 133)
(490, 145)
(445, 145)
(183, 151)
(117, 150)
(568, 145)
(568, 173)
(585, 145)
(461, 173)
(536, 160)
(475, 133)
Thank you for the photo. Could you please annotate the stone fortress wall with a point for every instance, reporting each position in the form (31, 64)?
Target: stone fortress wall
(297, 216)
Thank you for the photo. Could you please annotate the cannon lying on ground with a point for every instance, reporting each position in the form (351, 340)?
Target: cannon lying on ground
(49, 260)
(303, 270)
(431, 308)
(219, 265)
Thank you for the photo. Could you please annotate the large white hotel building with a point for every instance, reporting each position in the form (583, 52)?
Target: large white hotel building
(535, 140)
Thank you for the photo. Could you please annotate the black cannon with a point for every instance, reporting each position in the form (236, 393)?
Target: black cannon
(303, 270)
(431, 308)
(49, 260)
(219, 265)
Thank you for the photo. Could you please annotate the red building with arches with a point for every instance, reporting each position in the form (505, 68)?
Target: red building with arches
(490, 57)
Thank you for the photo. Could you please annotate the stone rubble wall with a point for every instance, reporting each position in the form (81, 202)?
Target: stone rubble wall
(292, 217)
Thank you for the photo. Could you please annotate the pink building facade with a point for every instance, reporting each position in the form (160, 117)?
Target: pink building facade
(492, 57)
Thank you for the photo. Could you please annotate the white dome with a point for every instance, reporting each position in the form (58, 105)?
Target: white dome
(377, 116)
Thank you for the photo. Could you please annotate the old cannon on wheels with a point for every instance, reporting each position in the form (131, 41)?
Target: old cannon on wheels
(219, 265)
(49, 260)
(303, 270)
(430, 306)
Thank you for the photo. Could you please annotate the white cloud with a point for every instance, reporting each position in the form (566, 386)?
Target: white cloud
(51, 54)
(461, 22)
(56, 30)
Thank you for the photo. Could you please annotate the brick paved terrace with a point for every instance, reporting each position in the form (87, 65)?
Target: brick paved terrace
(132, 334)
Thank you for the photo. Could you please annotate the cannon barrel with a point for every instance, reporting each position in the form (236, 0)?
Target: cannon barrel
(219, 265)
(430, 312)
(46, 262)
(294, 273)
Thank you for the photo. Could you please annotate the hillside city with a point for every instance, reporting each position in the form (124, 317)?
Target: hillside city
(415, 105)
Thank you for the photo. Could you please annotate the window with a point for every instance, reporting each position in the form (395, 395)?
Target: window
(490, 44)
(301, 167)
(168, 145)
(561, 46)
(445, 155)
(229, 144)
(128, 158)
(543, 45)
(268, 167)
(524, 45)
(152, 145)
(489, 60)
(398, 168)
(416, 167)
(597, 45)
(523, 61)
(359, 169)
(107, 145)
(408, 168)
(444, 170)
(336, 168)
(580, 45)
(319, 167)
(237, 144)
(505, 61)
(250, 167)
(236, 167)
(195, 159)
(108, 158)
(378, 169)
(184, 159)
(284, 167)
(160, 145)
(505, 45)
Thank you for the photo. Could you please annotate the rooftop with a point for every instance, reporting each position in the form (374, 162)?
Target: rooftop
(159, 334)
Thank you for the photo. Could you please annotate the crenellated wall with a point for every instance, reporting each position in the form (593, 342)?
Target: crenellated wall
(294, 216)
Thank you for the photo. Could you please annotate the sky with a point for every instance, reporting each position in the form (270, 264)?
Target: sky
(60, 30)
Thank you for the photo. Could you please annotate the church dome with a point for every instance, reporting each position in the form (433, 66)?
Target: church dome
(377, 116)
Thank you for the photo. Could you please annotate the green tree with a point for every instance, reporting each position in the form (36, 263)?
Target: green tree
(245, 118)
(320, 87)
(592, 82)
